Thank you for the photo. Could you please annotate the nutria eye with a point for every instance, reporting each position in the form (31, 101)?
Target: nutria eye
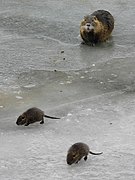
(93, 20)
(23, 117)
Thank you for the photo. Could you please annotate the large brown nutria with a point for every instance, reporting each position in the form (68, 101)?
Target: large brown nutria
(32, 115)
(96, 27)
(77, 151)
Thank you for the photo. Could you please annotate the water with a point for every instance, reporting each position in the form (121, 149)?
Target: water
(44, 64)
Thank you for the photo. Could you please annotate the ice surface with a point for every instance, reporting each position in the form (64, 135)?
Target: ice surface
(105, 122)
(44, 64)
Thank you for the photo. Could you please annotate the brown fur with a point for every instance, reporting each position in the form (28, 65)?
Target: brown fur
(77, 151)
(32, 115)
(96, 27)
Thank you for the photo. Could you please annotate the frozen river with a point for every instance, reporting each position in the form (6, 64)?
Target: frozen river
(92, 89)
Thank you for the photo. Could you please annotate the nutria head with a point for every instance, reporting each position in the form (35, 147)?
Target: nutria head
(21, 120)
(89, 23)
(72, 157)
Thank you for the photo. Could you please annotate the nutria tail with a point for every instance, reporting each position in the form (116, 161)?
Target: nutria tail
(95, 153)
(51, 117)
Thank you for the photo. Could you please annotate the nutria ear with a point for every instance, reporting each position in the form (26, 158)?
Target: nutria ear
(94, 18)
(84, 18)
(75, 155)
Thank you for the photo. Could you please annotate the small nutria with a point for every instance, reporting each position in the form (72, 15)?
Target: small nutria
(32, 115)
(96, 27)
(77, 151)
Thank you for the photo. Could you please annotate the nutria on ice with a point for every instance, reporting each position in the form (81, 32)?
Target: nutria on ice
(96, 27)
(77, 151)
(32, 115)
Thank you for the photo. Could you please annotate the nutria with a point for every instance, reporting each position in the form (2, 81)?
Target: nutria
(32, 115)
(77, 151)
(96, 27)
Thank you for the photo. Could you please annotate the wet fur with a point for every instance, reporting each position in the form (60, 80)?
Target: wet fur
(32, 115)
(77, 151)
(102, 24)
